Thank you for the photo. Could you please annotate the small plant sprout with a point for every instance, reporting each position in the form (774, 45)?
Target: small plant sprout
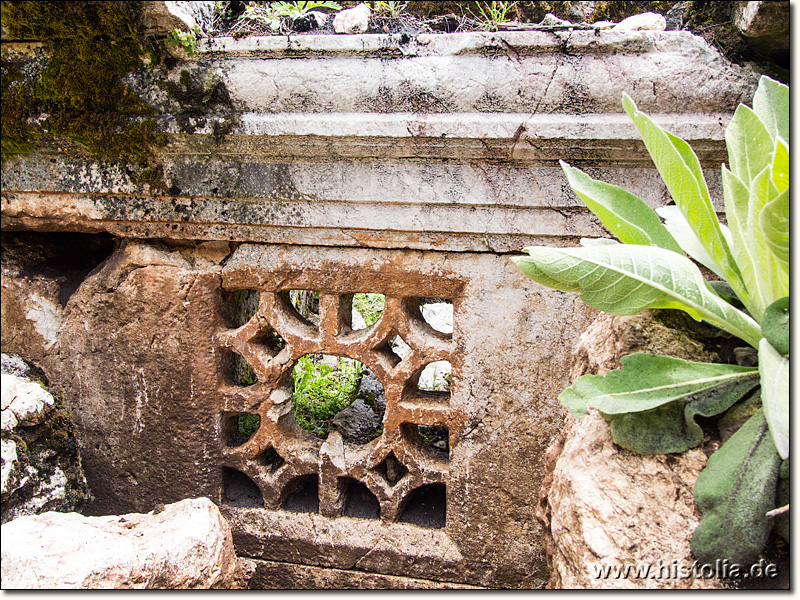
(390, 7)
(493, 13)
(653, 400)
(184, 39)
(273, 13)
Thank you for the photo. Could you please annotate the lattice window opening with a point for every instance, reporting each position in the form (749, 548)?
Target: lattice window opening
(240, 490)
(360, 502)
(340, 393)
(302, 495)
(277, 458)
(239, 428)
(433, 440)
(426, 506)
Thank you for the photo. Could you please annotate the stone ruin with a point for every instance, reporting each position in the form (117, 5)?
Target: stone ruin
(407, 167)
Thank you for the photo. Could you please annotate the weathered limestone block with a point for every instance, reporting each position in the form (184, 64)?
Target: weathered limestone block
(605, 506)
(41, 464)
(262, 574)
(186, 545)
(765, 25)
(38, 274)
(129, 338)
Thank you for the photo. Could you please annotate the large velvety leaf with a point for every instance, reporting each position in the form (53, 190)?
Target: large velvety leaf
(625, 215)
(772, 273)
(749, 144)
(672, 427)
(680, 169)
(652, 401)
(774, 222)
(647, 381)
(774, 370)
(771, 104)
(683, 233)
(624, 280)
(780, 166)
(765, 277)
(734, 493)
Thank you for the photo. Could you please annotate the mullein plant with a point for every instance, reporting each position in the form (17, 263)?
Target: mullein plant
(652, 401)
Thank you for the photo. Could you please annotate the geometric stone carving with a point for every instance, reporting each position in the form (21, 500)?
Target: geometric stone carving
(391, 466)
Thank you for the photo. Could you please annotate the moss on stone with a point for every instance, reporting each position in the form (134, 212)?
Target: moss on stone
(92, 46)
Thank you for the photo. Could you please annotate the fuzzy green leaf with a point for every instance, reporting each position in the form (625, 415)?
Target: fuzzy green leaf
(765, 277)
(774, 370)
(771, 104)
(680, 169)
(625, 215)
(653, 400)
(647, 381)
(624, 280)
(680, 229)
(734, 492)
(774, 222)
(780, 166)
(749, 144)
(672, 427)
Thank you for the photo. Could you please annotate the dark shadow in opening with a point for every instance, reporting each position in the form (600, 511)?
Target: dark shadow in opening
(271, 459)
(426, 506)
(360, 503)
(436, 438)
(66, 257)
(240, 490)
(303, 496)
(391, 469)
(237, 370)
(238, 428)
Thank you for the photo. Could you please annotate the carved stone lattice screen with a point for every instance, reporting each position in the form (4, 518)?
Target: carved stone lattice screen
(280, 454)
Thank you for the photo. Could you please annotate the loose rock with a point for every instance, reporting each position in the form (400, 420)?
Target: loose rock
(41, 467)
(357, 423)
(645, 22)
(603, 506)
(187, 545)
(353, 20)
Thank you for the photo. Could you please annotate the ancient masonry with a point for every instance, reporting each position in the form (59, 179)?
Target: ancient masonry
(408, 167)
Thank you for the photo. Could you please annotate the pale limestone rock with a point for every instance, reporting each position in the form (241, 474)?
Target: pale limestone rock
(550, 20)
(764, 25)
(44, 472)
(10, 459)
(353, 20)
(319, 18)
(9, 420)
(28, 400)
(439, 316)
(648, 21)
(187, 545)
(606, 506)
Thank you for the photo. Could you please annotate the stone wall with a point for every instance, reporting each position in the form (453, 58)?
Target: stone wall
(408, 167)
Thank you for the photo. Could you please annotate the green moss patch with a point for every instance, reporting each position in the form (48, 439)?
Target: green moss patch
(92, 46)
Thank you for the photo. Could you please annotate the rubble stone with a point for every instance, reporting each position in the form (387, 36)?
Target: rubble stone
(186, 545)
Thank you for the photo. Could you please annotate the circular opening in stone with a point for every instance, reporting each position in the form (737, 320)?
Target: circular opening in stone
(337, 392)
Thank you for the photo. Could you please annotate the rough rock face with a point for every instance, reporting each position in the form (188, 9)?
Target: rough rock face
(130, 338)
(186, 545)
(605, 506)
(41, 466)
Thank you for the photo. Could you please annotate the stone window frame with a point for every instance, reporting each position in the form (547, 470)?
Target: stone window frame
(335, 462)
